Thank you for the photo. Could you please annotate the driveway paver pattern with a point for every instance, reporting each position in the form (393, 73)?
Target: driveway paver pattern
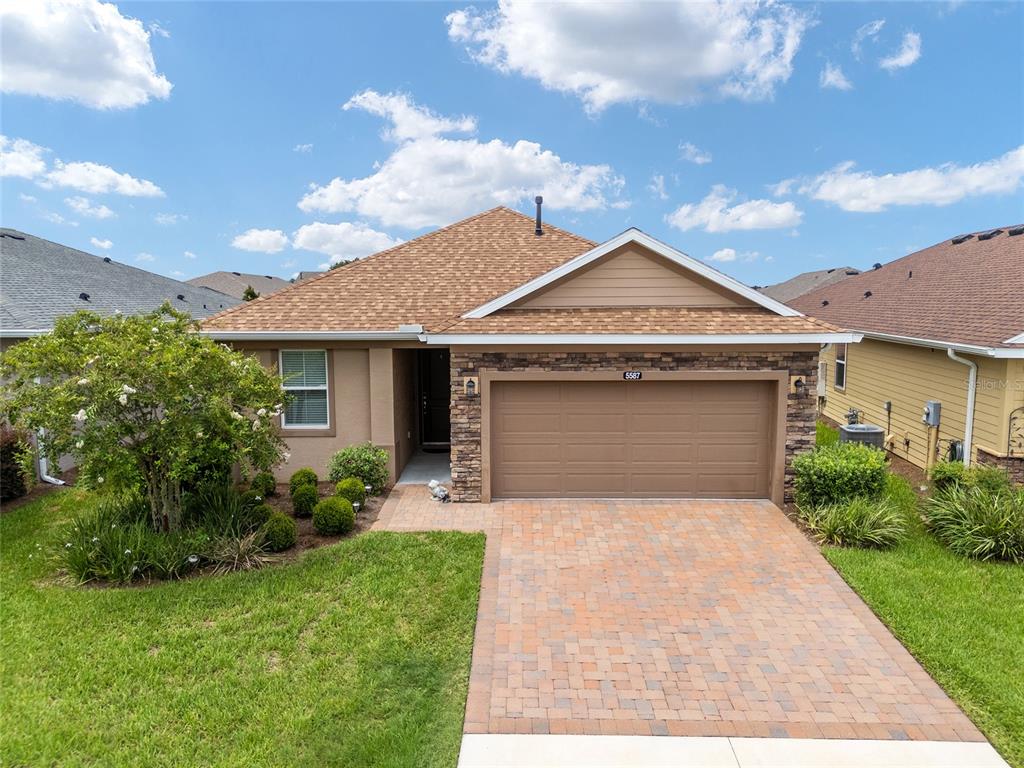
(682, 618)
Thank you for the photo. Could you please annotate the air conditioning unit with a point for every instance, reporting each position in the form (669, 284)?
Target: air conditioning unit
(869, 434)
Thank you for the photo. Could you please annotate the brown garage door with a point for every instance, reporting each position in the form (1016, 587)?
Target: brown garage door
(690, 439)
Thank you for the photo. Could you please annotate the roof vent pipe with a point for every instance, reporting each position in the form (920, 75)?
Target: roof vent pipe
(538, 229)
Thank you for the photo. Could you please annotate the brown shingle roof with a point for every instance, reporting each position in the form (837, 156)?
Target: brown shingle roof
(969, 293)
(646, 320)
(235, 283)
(428, 281)
(805, 282)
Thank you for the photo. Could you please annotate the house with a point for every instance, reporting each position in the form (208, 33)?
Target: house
(806, 282)
(235, 283)
(306, 275)
(942, 325)
(548, 364)
(41, 280)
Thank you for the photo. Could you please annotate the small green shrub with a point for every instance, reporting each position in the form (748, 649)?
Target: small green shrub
(366, 461)
(251, 498)
(264, 484)
(304, 476)
(824, 434)
(979, 522)
(945, 474)
(839, 472)
(279, 532)
(304, 499)
(351, 488)
(256, 516)
(334, 516)
(858, 522)
(12, 473)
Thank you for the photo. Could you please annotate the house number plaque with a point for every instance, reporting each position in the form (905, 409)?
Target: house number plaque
(632, 375)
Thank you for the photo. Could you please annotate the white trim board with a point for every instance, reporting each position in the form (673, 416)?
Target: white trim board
(633, 235)
(271, 335)
(544, 751)
(970, 349)
(1018, 339)
(703, 339)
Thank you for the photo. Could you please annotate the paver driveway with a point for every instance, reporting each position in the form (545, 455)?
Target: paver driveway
(693, 618)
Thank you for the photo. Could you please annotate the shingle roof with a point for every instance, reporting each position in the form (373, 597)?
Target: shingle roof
(41, 281)
(640, 320)
(966, 293)
(790, 289)
(235, 283)
(434, 279)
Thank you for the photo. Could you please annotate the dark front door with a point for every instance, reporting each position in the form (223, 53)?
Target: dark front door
(435, 397)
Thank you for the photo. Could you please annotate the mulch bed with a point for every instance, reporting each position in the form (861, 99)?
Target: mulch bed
(307, 537)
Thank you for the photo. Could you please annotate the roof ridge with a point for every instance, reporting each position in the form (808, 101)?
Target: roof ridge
(385, 252)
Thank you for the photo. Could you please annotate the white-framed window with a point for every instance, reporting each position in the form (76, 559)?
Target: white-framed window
(304, 372)
(840, 382)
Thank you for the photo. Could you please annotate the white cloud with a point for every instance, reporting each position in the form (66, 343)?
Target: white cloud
(56, 218)
(909, 52)
(99, 179)
(189, 255)
(27, 198)
(612, 53)
(694, 154)
(868, 31)
(867, 192)
(832, 77)
(169, 219)
(303, 148)
(21, 158)
(155, 29)
(105, 245)
(723, 255)
(177, 273)
(714, 213)
(782, 188)
(288, 263)
(342, 242)
(83, 51)
(83, 206)
(430, 180)
(657, 187)
(145, 256)
(261, 240)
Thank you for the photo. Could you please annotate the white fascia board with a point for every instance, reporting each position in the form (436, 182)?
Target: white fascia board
(633, 236)
(702, 339)
(23, 333)
(1018, 339)
(312, 335)
(970, 349)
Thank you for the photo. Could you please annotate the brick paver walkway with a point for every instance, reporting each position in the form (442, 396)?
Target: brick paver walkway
(690, 618)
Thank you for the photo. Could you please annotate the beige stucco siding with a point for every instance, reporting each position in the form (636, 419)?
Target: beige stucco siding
(909, 376)
(632, 276)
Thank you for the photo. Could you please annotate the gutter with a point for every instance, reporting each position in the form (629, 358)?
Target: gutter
(495, 339)
(972, 382)
(970, 349)
(405, 333)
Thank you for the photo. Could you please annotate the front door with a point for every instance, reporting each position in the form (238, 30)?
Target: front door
(435, 398)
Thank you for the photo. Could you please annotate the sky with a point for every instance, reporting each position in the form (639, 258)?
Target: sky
(768, 139)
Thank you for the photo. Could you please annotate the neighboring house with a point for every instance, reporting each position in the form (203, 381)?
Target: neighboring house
(235, 283)
(943, 324)
(806, 282)
(551, 365)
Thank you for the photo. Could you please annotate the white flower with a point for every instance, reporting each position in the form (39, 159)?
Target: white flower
(286, 456)
(127, 551)
(95, 539)
(82, 382)
(100, 479)
(234, 363)
(122, 399)
(261, 412)
(79, 443)
(68, 545)
(128, 390)
(199, 433)
(80, 416)
(155, 329)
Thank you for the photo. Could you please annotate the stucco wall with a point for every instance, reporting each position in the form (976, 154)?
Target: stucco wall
(907, 375)
(467, 411)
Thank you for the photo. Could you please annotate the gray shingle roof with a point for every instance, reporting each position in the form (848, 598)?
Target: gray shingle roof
(41, 281)
(807, 281)
(234, 283)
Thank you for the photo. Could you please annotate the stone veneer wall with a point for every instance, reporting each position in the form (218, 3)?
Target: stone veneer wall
(1012, 465)
(466, 414)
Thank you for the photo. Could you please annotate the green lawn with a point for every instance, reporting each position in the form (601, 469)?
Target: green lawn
(962, 619)
(356, 654)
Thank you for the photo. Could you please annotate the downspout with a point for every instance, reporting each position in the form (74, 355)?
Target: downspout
(972, 382)
(44, 465)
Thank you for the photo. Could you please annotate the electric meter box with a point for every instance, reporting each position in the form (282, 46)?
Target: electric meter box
(932, 413)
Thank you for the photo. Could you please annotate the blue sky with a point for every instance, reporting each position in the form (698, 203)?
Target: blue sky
(762, 138)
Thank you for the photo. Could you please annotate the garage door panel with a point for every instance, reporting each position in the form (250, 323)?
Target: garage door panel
(613, 438)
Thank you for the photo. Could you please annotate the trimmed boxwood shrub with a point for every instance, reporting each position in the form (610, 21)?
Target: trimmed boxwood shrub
(12, 475)
(859, 522)
(838, 473)
(334, 516)
(304, 476)
(264, 484)
(351, 488)
(977, 521)
(304, 498)
(257, 515)
(366, 461)
(279, 532)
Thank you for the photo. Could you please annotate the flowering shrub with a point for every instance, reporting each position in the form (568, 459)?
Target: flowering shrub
(143, 402)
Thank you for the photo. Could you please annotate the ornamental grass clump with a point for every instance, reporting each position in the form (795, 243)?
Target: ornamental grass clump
(858, 522)
(334, 516)
(979, 521)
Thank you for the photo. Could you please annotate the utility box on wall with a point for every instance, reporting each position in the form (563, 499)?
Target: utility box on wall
(932, 413)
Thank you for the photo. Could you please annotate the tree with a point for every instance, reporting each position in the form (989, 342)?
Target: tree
(249, 293)
(143, 401)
